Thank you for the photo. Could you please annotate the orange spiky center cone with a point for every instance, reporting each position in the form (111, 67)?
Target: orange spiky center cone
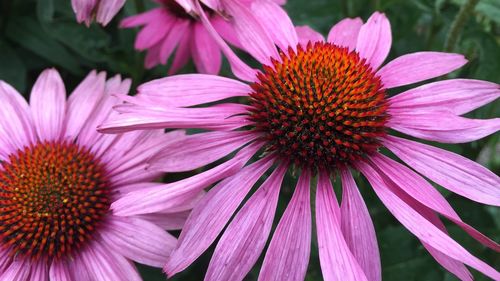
(53, 197)
(321, 106)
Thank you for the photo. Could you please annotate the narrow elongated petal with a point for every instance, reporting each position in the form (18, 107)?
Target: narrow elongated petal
(245, 238)
(421, 227)
(337, 261)
(17, 270)
(306, 34)
(212, 213)
(167, 221)
(107, 10)
(174, 36)
(139, 240)
(416, 67)
(48, 104)
(419, 189)
(288, 254)
(206, 52)
(83, 9)
(190, 89)
(182, 53)
(458, 96)
(443, 127)
(59, 271)
(358, 229)
(276, 22)
(154, 31)
(39, 272)
(226, 31)
(142, 19)
(452, 171)
(374, 39)
(345, 33)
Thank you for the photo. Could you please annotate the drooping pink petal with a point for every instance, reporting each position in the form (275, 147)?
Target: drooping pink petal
(173, 38)
(142, 19)
(452, 171)
(419, 189)
(17, 270)
(212, 213)
(182, 53)
(276, 22)
(458, 96)
(48, 105)
(59, 271)
(173, 195)
(244, 239)
(39, 271)
(306, 34)
(83, 10)
(152, 56)
(358, 229)
(205, 51)
(238, 67)
(443, 126)
(107, 10)
(82, 101)
(104, 264)
(167, 221)
(337, 261)
(421, 227)
(345, 33)
(226, 31)
(199, 150)
(288, 254)
(15, 120)
(138, 240)
(154, 31)
(374, 39)
(190, 89)
(420, 66)
(251, 32)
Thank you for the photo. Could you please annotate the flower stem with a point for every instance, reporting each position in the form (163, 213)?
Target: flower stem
(458, 24)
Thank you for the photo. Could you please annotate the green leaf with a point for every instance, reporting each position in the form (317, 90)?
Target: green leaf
(12, 68)
(45, 10)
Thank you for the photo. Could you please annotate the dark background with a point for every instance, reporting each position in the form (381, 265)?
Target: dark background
(35, 35)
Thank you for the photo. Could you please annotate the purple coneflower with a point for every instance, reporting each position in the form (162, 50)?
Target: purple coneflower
(58, 178)
(102, 11)
(320, 108)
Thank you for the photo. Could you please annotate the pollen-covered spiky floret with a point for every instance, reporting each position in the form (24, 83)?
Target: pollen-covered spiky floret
(320, 107)
(53, 195)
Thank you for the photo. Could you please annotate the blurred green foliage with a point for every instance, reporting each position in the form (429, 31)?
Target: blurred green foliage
(35, 35)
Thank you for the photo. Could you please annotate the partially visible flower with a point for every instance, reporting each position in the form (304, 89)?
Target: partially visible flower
(59, 176)
(102, 11)
(176, 26)
(321, 108)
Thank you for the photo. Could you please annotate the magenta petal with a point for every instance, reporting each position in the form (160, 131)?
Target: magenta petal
(452, 171)
(288, 254)
(142, 19)
(213, 4)
(16, 271)
(139, 240)
(245, 237)
(154, 31)
(421, 227)
(179, 28)
(337, 261)
(277, 24)
(420, 66)
(48, 105)
(107, 10)
(374, 39)
(39, 271)
(226, 31)
(206, 52)
(306, 34)
(458, 96)
(345, 33)
(212, 213)
(59, 271)
(190, 89)
(182, 54)
(444, 127)
(167, 221)
(83, 9)
(199, 150)
(358, 229)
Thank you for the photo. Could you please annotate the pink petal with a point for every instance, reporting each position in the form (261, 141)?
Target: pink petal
(39, 271)
(48, 104)
(173, 195)
(251, 33)
(168, 221)
(337, 261)
(206, 52)
(15, 121)
(59, 271)
(420, 66)
(358, 229)
(459, 96)
(375, 39)
(153, 56)
(244, 239)
(424, 193)
(139, 240)
(306, 34)
(226, 31)
(449, 170)
(213, 4)
(276, 22)
(238, 67)
(182, 53)
(82, 101)
(18, 270)
(345, 33)
(443, 127)
(288, 254)
(212, 213)
(154, 31)
(143, 18)
(421, 227)
(83, 9)
(173, 38)
(107, 10)
(187, 5)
